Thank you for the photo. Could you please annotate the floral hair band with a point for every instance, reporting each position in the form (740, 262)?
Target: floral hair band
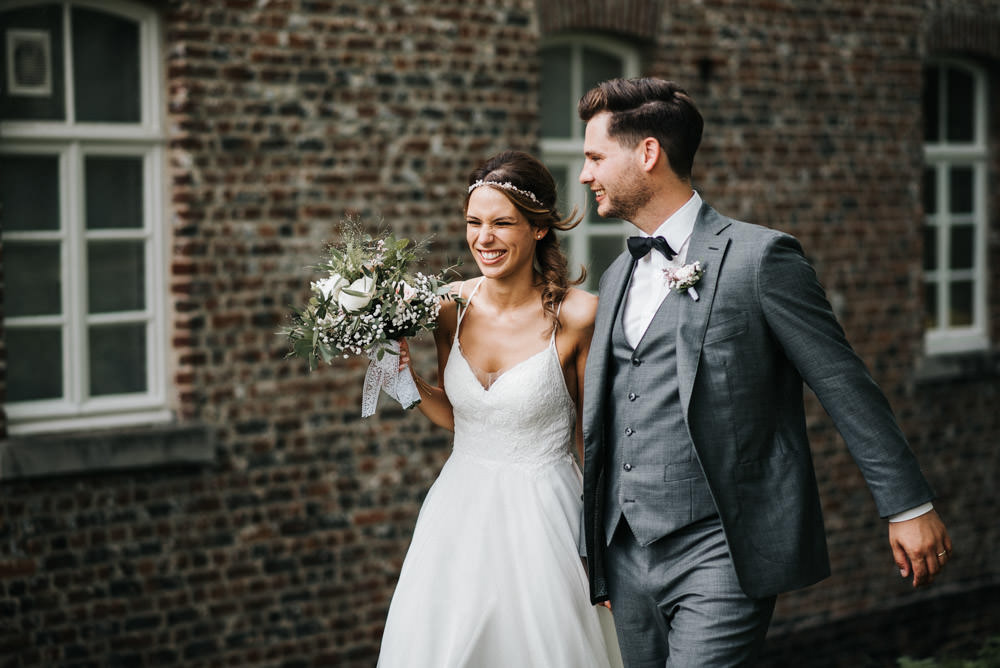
(507, 185)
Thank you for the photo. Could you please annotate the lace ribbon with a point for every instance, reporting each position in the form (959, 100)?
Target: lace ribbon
(384, 375)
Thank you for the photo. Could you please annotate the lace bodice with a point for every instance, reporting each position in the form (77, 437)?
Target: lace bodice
(526, 416)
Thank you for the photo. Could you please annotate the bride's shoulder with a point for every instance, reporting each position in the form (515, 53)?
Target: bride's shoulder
(462, 288)
(579, 308)
(449, 300)
(454, 290)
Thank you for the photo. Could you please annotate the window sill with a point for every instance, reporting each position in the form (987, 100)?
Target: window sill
(108, 450)
(966, 366)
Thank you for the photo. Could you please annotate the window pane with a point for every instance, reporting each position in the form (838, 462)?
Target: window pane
(116, 276)
(31, 271)
(105, 67)
(930, 306)
(962, 247)
(961, 106)
(29, 192)
(564, 198)
(114, 192)
(36, 90)
(117, 359)
(599, 66)
(932, 120)
(961, 189)
(930, 191)
(603, 251)
(930, 248)
(34, 363)
(557, 103)
(960, 300)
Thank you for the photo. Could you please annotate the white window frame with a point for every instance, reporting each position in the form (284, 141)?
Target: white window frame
(940, 157)
(568, 152)
(72, 142)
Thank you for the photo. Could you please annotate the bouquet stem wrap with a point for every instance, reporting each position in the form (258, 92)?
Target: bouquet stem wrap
(384, 374)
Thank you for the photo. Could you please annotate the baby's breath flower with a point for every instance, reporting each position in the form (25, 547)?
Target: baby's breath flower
(389, 303)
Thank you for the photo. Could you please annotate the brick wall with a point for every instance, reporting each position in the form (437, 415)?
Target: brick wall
(283, 117)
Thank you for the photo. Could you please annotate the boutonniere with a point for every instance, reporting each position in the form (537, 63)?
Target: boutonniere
(684, 277)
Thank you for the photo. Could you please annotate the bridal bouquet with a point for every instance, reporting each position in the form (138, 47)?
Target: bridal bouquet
(364, 302)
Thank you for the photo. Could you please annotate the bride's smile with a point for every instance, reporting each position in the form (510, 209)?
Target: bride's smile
(499, 236)
(490, 256)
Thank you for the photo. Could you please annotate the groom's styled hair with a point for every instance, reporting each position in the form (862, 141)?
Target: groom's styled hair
(649, 107)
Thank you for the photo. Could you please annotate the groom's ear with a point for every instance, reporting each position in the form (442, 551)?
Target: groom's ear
(650, 153)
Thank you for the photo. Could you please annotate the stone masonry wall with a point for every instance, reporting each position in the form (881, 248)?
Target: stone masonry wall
(287, 115)
(284, 117)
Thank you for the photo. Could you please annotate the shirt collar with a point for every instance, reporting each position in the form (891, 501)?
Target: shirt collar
(678, 227)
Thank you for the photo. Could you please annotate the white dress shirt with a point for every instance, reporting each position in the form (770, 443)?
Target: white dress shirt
(648, 288)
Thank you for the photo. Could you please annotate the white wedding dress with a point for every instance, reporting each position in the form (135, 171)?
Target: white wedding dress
(493, 577)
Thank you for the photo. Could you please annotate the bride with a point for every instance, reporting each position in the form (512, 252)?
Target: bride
(493, 576)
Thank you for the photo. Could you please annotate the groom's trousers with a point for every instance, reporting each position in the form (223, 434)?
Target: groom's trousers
(677, 603)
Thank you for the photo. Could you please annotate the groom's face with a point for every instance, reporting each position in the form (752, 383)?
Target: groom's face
(613, 172)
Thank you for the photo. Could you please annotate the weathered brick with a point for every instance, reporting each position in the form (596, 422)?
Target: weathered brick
(17, 568)
(285, 116)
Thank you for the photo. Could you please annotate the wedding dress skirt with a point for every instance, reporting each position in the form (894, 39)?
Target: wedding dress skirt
(493, 576)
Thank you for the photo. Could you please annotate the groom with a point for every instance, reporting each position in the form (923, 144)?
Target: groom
(700, 498)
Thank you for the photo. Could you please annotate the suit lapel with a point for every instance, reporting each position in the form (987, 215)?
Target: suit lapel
(615, 281)
(708, 245)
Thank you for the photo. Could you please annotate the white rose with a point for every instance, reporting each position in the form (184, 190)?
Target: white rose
(364, 286)
(330, 286)
(408, 291)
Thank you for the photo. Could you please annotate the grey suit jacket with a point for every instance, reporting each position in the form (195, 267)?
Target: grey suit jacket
(762, 325)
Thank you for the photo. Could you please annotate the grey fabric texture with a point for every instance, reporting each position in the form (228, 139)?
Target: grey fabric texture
(761, 327)
(677, 602)
(654, 477)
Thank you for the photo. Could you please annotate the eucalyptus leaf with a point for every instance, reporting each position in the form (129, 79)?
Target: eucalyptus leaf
(302, 348)
(325, 353)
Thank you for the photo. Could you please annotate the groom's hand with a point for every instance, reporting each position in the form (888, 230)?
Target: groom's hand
(921, 547)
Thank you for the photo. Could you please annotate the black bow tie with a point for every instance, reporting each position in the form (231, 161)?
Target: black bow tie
(639, 247)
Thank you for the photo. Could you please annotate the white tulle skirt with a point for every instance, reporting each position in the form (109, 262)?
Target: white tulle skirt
(493, 577)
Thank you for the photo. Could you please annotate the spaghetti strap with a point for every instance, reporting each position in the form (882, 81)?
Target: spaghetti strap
(554, 328)
(463, 309)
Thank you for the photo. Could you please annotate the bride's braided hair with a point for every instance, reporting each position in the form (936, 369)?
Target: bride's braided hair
(527, 183)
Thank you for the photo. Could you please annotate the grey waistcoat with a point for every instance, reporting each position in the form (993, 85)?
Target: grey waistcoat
(654, 478)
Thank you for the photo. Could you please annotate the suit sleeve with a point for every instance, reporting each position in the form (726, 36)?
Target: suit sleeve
(804, 325)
